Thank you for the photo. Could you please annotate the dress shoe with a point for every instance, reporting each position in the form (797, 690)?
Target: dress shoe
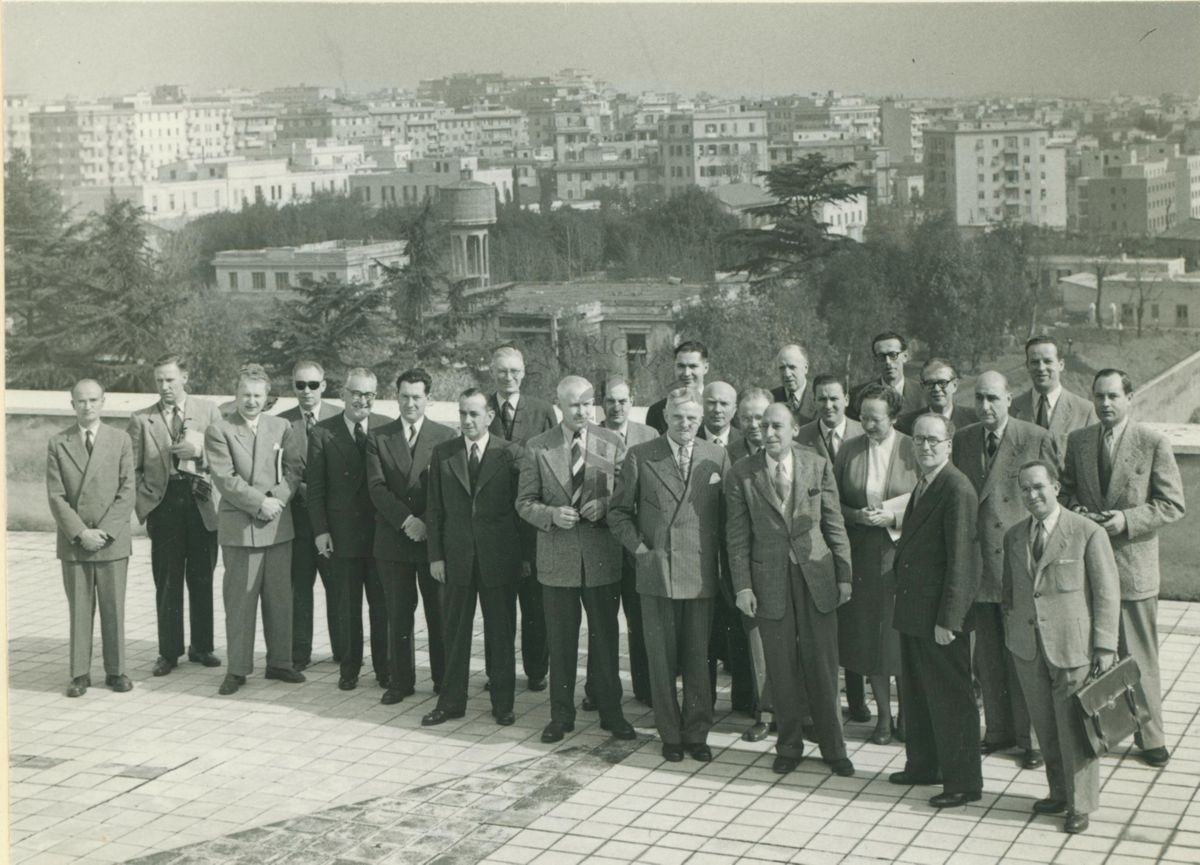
(756, 733)
(163, 666)
(284, 674)
(1032, 759)
(986, 748)
(859, 712)
(672, 753)
(623, 730)
(390, 697)
(505, 719)
(78, 686)
(703, 753)
(382, 682)
(783, 765)
(301, 665)
(119, 683)
(230, 684)
(440, 716)
(910, 779)
(954, 800)
(555, 730)
(1075, 823)
(842, 767)
(347, 683)
(208, 659)
(882, 735)
(1049, 806)
(587, 705)
(537, 684)
(1156, 757)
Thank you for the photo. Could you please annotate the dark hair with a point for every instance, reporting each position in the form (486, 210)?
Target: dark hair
(886, 335)
(827, 378)
(470, 392)
(416, 375)
(938, 363)
(946, 422)
(253, 372)
(168, 359)
(692, 345)
(1051, 468)
(885, 392)
(301, 364)
(1126, 381)
(1043, 339)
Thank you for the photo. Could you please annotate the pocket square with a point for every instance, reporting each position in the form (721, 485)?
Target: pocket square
(715, 479)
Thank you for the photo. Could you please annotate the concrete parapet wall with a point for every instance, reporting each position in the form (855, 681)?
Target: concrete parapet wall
(1172, 396)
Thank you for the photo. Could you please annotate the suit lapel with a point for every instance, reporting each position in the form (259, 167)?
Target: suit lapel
(419, 455)
(1004, 453)
(345, 442)
(1054, 547)
(397, 445)
(1124, 455)
(558, 456)
(489, 462)
(663, 464)
(799, 486)
(99, 446)
(763, 483)
(1089, 473)
(1060, 419)
(458, 464)
(160, 434)
(75, 449)
(242, 434)
(924, 507)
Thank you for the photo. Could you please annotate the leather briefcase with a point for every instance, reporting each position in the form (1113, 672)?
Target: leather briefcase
(1113, 706)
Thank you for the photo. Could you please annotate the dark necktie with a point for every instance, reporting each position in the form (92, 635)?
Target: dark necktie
(576, 469)
(176, 433)
(918, 492)
(506, 416)
(473, 466)
(360, 437)
(1039, 541)
(1043, 412)
(993, 444)
(87, 442)
(1105, 455)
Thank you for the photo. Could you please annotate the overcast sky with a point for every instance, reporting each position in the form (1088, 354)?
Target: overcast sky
(52, 49)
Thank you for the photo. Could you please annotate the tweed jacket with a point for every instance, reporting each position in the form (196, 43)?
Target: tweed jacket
(91, 492)
(248, 467)
(151, 439)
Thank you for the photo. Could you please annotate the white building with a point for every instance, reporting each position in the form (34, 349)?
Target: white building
(712, 147)
(16, 125)
(265, 273)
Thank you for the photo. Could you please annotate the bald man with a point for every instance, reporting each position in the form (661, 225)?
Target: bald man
(794, 392)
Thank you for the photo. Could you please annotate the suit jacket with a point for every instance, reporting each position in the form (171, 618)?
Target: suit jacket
(587, 554)
(812, 435)
(912, 399)
(398, 483)
(1000, 505)
(936, 580)
(1071, 413)
(807, 412)
(762, 539)
(636, 433)
(296, 418)
(1145, 486)
(739, 451)
(1072, 598)
(338, 499)
(533, 416)
(151, 439)
(91, 492)
(656, 416)
(246, 468)
(733, 437)
(468, 527)
(960, 416)
(679, 522)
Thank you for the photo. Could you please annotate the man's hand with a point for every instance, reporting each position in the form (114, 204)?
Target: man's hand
(437, 570)
(185, 450)
(593, 511)
(877, 518)
(1113, 522)
(526, 569)
(270, 509)
(747, 602)
(943, 636)
(1102, 661)
(201, 489)
(844, 591)
(324, 542)
(414, 527)
(92, 540)
(564, 517)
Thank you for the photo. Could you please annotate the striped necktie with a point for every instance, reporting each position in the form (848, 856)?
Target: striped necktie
(577, 469)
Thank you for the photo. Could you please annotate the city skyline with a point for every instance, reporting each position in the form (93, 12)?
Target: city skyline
(52, 50)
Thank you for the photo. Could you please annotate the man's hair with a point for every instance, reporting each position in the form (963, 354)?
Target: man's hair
(470, 392)
(1051, 468)
(416, 375)
(612, 381)
(361, 372)
(83, 381)
(685, 394)
(947, 424)
(1126, 381)
(507, 350)
(886, 335)
(692, 345)
(168, 359)
(1044, 339)
(302, 364)
(253, 372)
(887, 393)
(797, 347)
(569, 382)
(755, 393)
(938, 363)
(827, 378)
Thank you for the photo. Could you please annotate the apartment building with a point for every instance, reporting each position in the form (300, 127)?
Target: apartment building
(16, 125)
(1141, 190)
(713, 146)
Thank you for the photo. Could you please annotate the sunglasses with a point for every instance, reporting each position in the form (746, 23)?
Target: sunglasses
(311, 385)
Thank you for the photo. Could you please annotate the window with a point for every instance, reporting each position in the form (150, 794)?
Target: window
(1154, 312)
(233, 283)
(258, 279)
(635, 349)
(282, 283)
(1181, 315)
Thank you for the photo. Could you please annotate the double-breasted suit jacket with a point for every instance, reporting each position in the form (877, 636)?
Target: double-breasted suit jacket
(589, 551)
(337, 496)
(398, 483)
(815, 436)
(151, 440)
(246, 468)
(91, 492)
(1072, 412)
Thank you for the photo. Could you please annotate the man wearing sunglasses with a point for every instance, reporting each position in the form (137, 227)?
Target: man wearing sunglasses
(939, 381)
(890, 352)
(308, 384)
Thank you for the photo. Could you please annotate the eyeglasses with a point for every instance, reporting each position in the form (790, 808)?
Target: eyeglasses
(311, 385)
(364, 395)
(941, 383)
(927, 441)
(889, 355)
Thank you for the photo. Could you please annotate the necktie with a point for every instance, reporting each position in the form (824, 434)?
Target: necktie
(781, 484)
(833, 443)
(473, 466)
(87, 442)
(309, 421)
(685, 460)
(360, 437)
(1039, 541)
(993, 443)
(1106, 439)
(412, 436)
(919, 491)
(1043, 412)
(176, 433)
(576, 470)
(506, 415)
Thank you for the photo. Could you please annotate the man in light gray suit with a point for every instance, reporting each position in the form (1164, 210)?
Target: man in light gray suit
(1050, 405)
(256, 466)
(567, 478)
(1124, 477)
(832, 428)
(1061, 599)
(989, 453)
(667, 512)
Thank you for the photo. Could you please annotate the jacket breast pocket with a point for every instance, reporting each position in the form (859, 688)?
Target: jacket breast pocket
(1067, 575)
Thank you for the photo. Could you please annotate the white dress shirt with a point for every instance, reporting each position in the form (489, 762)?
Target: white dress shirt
(93, 428)
(1049, 525)
(879, 459)
(350, 424)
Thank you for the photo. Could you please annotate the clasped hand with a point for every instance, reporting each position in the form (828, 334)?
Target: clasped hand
(269, 509)
(876, 517)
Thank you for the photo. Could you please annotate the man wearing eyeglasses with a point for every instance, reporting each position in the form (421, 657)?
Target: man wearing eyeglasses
(890, 351)
(343, 520)
(936, 583)
(939, 381)
(308, 384)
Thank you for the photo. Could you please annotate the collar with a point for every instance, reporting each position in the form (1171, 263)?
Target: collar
(512, 399)
(622, 430)
(483, 443)
(413, 426)
(886, 444)
(1051, 398)
(1050, 522)
(181, 405)
(93, 428)
(721, 438)
(839, 430)
(1000, 431)
(1118, 431)
(251, 422)
(932, 476)
(315, 411)
(569, 434)
(898, 388)
(786, 461)
(350, 425)
(676, 446)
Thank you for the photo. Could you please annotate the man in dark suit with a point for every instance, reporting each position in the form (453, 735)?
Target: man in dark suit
(832, 428)
(667, 512)
(752, 405)
(89, 481)
(517, 419)
(989, 454)
(176, 501)
(890, 351)
(255, 466)
(936, 581)
(567, 479)
(1123, 476)
(720, 411)
(343, 520)
(794, 391)
(1048, 404)
(472, 520)
(308, 384)
(691, 366)
(398, 481)
(939, 380)
(1062, 611)
(790, 559)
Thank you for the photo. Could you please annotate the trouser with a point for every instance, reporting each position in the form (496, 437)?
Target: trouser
(801, 651)
(727, 642)
(763, 701)
(631, 602)
(676, 633)
(1005, 714)
(353, 576)
(563, 606)
(88, 585)
(535, 652)
(401, 581)
(182, 550)
(940, 716)
(251, 573)
(499, 638)
(1139, 639)
(1072, 772)
(306, 565)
